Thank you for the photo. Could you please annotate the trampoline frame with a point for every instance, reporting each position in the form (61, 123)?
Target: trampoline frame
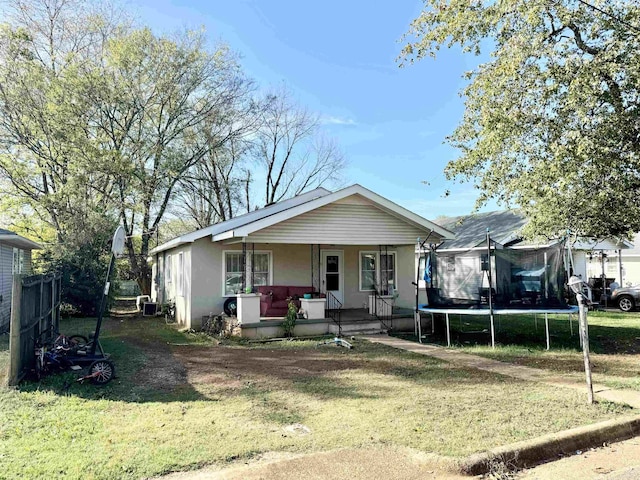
(490, 313)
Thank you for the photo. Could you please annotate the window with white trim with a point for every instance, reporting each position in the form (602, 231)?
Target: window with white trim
(18, 261)
(167, 270)
(233, 265)
(377, 268)
(388, 271)
(261, 269)
(180, 275)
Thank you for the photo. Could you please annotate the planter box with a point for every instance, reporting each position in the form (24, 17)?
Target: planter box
(248, 307)
(313, 307)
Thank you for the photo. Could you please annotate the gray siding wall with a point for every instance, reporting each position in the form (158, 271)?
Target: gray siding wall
(6, 262)
(6, 280)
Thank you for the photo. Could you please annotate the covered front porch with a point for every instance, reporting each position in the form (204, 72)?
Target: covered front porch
(351, 321)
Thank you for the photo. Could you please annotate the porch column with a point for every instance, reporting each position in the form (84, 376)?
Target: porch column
(315, 267)
(248, 252)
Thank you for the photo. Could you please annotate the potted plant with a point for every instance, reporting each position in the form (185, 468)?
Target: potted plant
(290, 319)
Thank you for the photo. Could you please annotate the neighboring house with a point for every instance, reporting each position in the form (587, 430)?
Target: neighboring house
(527, 267)
(345, 243)
(15, 258)
(623, 266)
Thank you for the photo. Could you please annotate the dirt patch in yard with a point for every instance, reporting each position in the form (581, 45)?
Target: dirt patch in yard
(163, 371)
(233, 367)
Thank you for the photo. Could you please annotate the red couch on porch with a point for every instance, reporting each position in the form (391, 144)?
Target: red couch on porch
(273, 302)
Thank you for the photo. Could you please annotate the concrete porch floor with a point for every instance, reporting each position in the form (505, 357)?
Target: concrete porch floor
(353, 321)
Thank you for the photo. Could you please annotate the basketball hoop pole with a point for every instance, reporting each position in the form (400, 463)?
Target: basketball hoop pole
(117, 246)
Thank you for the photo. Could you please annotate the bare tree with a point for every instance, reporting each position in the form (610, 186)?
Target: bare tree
(211, 191)
(292, 150)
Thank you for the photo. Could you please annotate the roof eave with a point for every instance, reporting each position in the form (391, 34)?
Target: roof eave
(18, 241)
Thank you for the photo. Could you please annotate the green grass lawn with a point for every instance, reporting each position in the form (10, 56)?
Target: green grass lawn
(181, 401)
(614, 343)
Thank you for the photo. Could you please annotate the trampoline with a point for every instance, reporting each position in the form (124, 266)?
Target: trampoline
(492, 279)
(490, 313)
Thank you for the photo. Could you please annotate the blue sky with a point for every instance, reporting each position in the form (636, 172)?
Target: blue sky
(339, 60)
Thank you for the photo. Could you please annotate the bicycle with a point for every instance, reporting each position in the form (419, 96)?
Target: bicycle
(70, 354)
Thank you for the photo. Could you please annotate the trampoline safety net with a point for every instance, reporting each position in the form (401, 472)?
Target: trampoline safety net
(516, 278)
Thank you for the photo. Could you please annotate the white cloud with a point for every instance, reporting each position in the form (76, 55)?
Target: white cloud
(327, 119)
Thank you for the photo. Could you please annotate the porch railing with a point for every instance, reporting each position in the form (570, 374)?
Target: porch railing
(334, 311)
(383, 310)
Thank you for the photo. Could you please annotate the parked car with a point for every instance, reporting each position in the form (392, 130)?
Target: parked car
(626, 297)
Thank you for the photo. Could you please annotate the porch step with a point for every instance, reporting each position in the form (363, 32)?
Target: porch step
(357, 328)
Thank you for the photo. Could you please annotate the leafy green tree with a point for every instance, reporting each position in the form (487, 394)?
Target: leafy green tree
(152, 95)
(51, 188)
(552, 117)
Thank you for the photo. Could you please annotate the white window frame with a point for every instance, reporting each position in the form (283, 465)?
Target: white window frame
(247, 266)
(180, 275)
(17, 266)
(167, 269)
(378, 278)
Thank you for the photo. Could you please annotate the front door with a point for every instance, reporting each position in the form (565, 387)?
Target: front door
(332, 273)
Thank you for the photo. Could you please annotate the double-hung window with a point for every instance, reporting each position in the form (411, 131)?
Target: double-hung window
(180, 275)
(256, 269)
(378, 271)
(18, 261)
(167, 270)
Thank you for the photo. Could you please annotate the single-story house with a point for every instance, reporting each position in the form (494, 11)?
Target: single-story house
(523, 272)
(621, 265)
(339, 247)
(15, 258)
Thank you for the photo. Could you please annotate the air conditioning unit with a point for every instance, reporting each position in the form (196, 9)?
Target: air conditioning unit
(149, 309)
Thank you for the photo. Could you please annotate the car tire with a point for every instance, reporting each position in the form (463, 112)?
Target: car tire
(231, 306)
(626, 303)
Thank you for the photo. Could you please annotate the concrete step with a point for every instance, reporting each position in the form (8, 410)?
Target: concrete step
(357, 328)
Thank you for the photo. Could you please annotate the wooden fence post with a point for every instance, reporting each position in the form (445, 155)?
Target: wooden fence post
(54, 326)
(15, 327)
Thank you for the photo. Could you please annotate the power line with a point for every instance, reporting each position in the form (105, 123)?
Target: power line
(610, 15)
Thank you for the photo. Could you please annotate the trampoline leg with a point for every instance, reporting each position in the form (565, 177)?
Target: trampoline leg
(546, 325)
(448, 332)
(493, 333)
(433, 324)
(419, 326)
(571, 324)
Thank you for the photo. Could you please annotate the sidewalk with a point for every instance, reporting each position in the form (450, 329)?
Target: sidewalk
(628, 397)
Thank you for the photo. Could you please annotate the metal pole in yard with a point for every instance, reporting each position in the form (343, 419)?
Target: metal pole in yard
(546, 325)
(490, 295)
(576, 285)
(103, 303)
(585, 348)
(571, 324)
(448, 330)
(117, 247)
(15, 327)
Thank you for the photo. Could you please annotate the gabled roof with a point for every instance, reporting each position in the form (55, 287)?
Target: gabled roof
(505, 227)
(471, 230)
(240, 227)
(12, 238)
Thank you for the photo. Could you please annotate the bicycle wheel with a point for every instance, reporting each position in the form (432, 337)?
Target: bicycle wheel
(102, 371)
(38, 368)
